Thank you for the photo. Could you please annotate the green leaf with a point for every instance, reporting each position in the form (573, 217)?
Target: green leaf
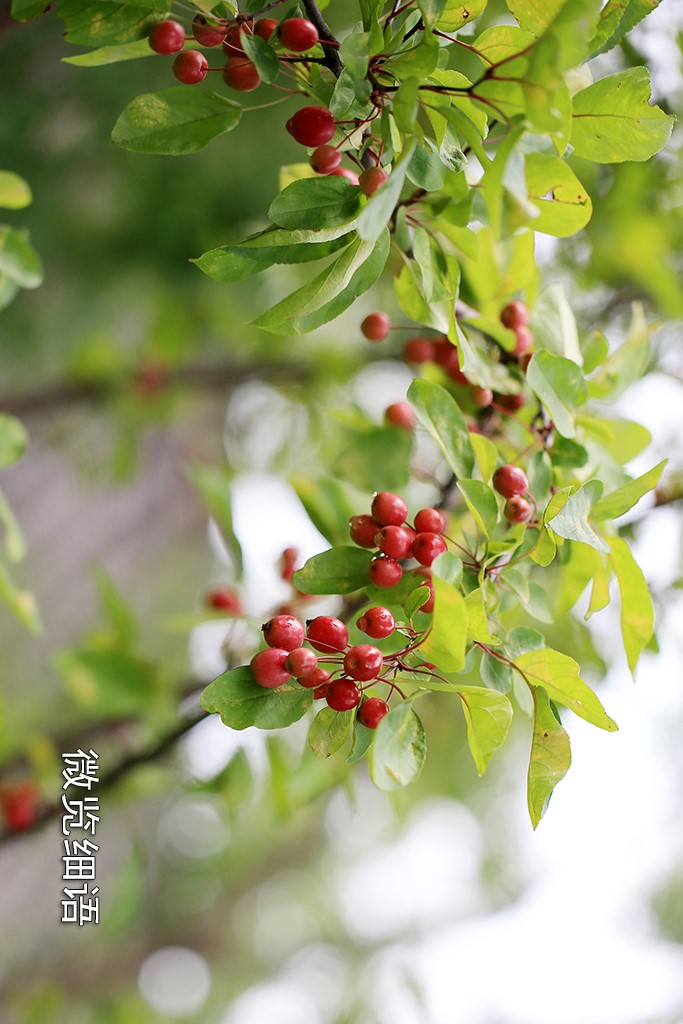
(241, 260)
(426, 169)
(262, 56)
(355, 53)
(104, 22)
(21, 603)
(613, 120)
(112, 54)
(15, 193)
(15, 544)
(327, 506)
(439, 413)
(488, 714)
(108, 682)
(637, 615)
(336, 571)
(174, 121)
(623, 498)
(214, 484)
(241, 702)
(559, 384)
(485, 453)
(457, 14)
(571, 522)
(550, 756)
(376, 459)
(445, 643)
(398, 753)
(626, 364)
(362, 741)
(329, 731)
(564, 206)
(332, 292)
(322, 202)
(477, 620)
(13, 439)
(26, 10)
(417, 598)
(19, 261)
(535, 15)
(495, 673)
(617, 18)
(375, 217)
(559, 676)
(481, 501)
(431, 11)
(116, 610)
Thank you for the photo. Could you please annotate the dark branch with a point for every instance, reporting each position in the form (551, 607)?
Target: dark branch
(327, 40)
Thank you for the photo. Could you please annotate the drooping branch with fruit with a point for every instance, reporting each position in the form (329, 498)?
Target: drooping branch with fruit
(437, 151)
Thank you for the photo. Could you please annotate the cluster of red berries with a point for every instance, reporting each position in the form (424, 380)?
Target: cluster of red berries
(349, 672)
(314, 127)
(386, 530)
(191, 66)
(516, 316)
(511, 483)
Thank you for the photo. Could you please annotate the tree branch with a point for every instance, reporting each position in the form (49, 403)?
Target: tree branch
(327, 40)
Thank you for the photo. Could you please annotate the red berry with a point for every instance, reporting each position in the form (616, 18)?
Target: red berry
(375, 326)
(327, 634)
(321, 691)
(241, 74)
(298, 34)
(344, 172)
(206, 33)
(19, 802)
(510, 481)
(363, 530)
(524, 361)
(428, 606)
(167, 37)
(389, 509)
(446, 356)
(190, 67)
(515, 314)
(394, 541)
(268, 667)
(377, 622)
(314, 679)
(225, 600)
(371, 179)
(301, 661)
(283, 631)
(325, 159)
(525, 341)
(385, 572)
(232, 44)
(342, 695)
(517, 510)
(511, 402)
(419, 350)
(372, 711)
(430, 520)
(400, 414)
(482, 397)
(265, 27)
(427, 546)
(312, 126)
(288, 560)
(363, 662)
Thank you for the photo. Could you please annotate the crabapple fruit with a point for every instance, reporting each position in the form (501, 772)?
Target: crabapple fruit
(342, 695)
(312, 126)
(283, 631)
(510, 481)
(268, 667)
(167, 37)
(517, 510)
(389, 509)
(375, 326)
(385, 572)
(377, 622)
(400, 414)
(427, 546)
(190, 67)
(327, 634)
(430, 520)
(298, 34)
(372, 711)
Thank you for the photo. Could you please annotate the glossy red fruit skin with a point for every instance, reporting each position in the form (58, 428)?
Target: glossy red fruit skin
(232, 44)
(325, 159)
(301, 661)
(400, 414)
(371, 179)
(375, 326)
(342, 695)
(190, 67)
(312, 126)
(19, 804)
(327, 634)
(428, 606)
(315, 679)
(525, 341)
(427, 546)
(446, 356)
(394, 541)
(482, 397)
(283, 631)
(363, 530)
(510, 480)
(517, 510)
(419, 351)
(430, 520)
(207, 34)
(385, 572)
(268, 668)
(345, 172)
(363, 662)
(515, 314)
(167, 37)
(372, 711)
(389, 509)
(265, 27)
(240, 74)
(224, 600)
(511, 402)
(321, 691)
(377, 622)
(298, 34)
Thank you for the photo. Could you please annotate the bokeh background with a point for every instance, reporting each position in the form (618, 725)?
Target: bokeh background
(236, 886)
